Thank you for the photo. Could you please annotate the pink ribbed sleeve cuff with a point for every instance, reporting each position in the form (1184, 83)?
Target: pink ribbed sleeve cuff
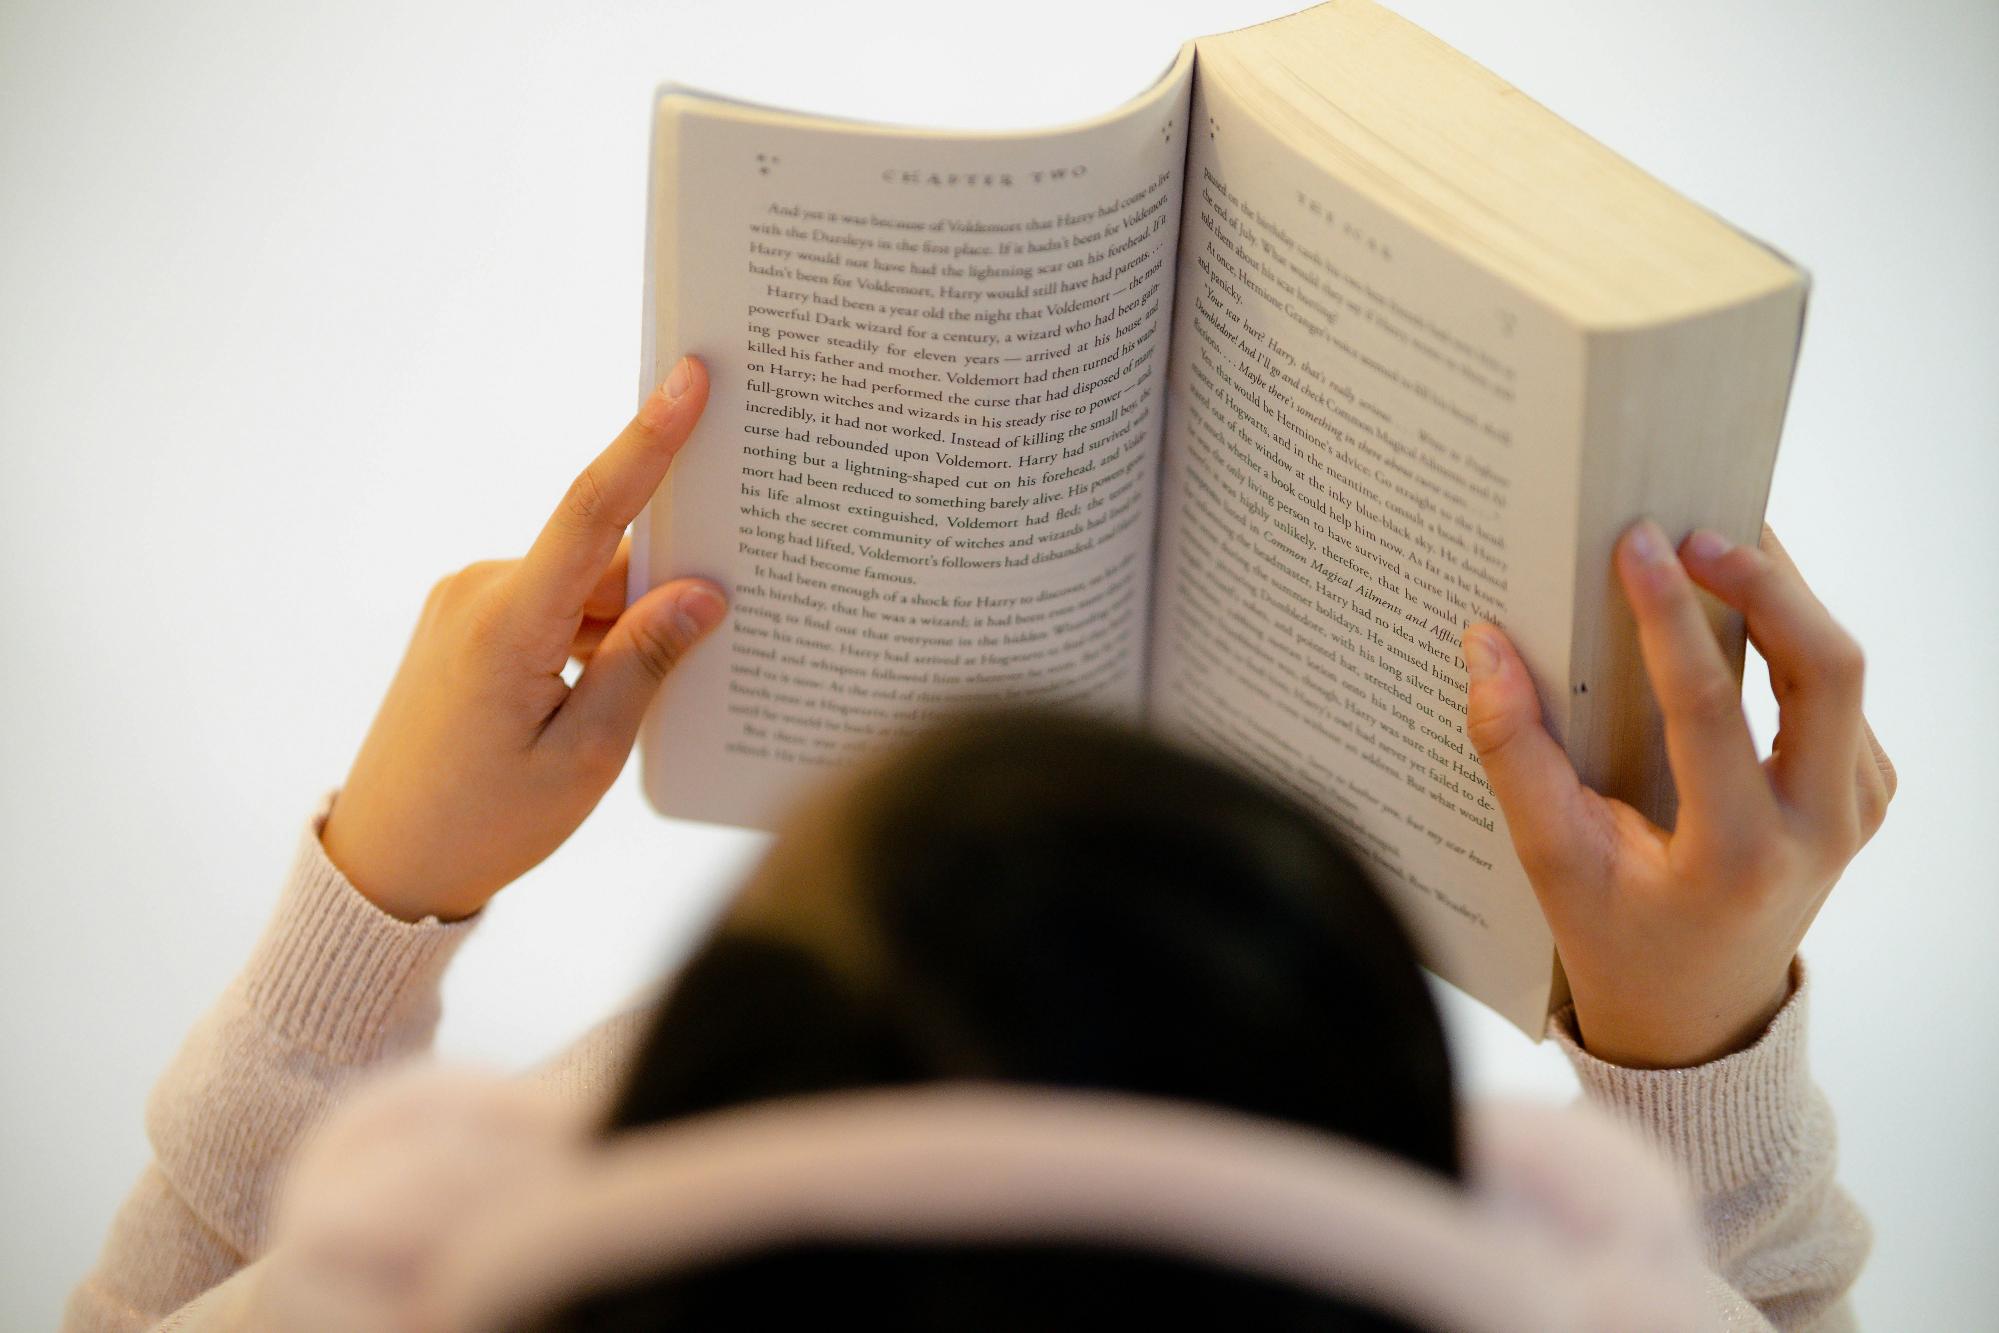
(338, 975)
(334, 988)
(1728, 1123)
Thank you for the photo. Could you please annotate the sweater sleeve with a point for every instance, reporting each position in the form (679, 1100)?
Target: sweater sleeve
(334, 988)
(1752, 1135)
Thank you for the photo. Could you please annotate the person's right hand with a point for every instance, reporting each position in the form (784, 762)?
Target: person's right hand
(1678, 945)
(482, 759)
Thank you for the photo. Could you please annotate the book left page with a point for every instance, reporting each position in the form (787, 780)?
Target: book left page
(927, 469)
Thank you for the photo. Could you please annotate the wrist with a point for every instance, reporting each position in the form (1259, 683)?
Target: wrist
(346, 847)
(1634, 1029)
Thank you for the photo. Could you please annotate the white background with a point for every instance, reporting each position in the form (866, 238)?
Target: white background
(302, 307)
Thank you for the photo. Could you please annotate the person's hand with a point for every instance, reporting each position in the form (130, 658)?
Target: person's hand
(1678, 945)
(482, 759)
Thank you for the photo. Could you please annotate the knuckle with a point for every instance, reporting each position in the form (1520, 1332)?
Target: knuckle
(658, 650)
(485, 621)
(1762, 579)
(1756, 867)
(601, 757)
(453, 586)
(1844, 663)
(463, 584)
(1833, 854)
(1888, 775)
(1847, 836)
(1711, 698)
(1665, 605)
(1873, 811)
(1489, 728)
(584, 501)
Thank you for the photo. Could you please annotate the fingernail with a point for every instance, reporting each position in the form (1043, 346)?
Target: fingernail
(1648, 544)
(702, 608)
(1707, 544)
(678, 382)
(1481, 657)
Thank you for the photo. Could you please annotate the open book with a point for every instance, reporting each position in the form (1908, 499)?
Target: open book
(1226, 412)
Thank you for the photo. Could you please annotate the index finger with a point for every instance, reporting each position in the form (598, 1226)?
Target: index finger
(555, 580)
(1723, 792)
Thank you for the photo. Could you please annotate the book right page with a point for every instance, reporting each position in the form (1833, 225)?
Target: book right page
(1370, 443)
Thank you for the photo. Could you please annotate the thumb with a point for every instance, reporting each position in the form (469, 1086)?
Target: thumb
(646, 642)
(1530, 775)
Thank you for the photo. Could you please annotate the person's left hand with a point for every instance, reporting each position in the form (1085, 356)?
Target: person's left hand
(482, 759)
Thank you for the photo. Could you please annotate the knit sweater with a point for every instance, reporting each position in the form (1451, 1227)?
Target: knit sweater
(336, 990)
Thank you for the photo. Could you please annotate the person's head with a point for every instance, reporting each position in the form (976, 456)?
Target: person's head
(1040, 898)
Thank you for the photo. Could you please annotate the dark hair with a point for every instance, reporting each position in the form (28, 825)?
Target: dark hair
(1056, 900)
